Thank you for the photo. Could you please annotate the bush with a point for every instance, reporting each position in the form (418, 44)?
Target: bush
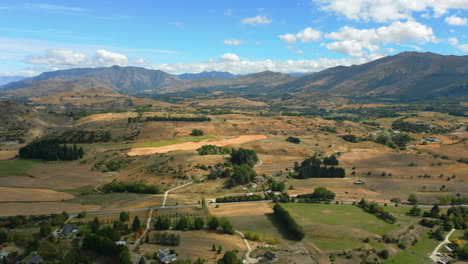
(294, 140)
(197, 132)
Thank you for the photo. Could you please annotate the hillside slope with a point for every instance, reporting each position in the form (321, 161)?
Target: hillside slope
(408, 75)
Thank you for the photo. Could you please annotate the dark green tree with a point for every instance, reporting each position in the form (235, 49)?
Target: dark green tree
(136, 224)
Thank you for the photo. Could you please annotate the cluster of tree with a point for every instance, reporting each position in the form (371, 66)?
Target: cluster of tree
(223, 223)
(241, 174)
(377, 210)
(84, 136)
(312, 168)
(240, 198)
(197, 132)
(162, 223)
(244, 156)
(276, 186)
(350, 138)
(454, 218)
(452, 200)
(104, 246)
(50, 149)
(294, 140)
(319, 194)
(188, 223)
(332, 160)
(164, 238)
(213, 150)
(416, 127)
(393, 141)
(288, 222)
(130, 187)
(173, 118)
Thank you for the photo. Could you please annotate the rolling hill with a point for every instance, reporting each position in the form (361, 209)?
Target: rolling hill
(408, 75)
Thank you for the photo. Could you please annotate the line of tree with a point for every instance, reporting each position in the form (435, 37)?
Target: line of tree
(188, 223)
(376, 210)
(312, 168)
(240, 198)
(288, 222)
(319, 194)
(130, 187)
(50, 149)
(135, 119)
(173, 118)
(294, 140)
(84, 136)
(213, 150)
(162, 223)
(164, 238)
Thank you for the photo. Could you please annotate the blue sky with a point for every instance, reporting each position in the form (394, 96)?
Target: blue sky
(237, 36)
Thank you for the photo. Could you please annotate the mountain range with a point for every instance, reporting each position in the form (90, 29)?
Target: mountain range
(408, 75)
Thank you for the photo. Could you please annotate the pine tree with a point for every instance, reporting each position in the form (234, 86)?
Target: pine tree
(136, 224)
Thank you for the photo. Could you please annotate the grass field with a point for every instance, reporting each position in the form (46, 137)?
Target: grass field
(14, 167)
(417, 254)
(337, 227)
(161, 143)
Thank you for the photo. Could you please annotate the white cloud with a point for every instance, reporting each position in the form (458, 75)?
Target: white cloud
(178, 25)
(456, 21)
(389, 10)
(229, 57)
(463, 47)
(256, 20)
(228, 12)
(353, 41)
(307, 35)
(233, 42)
(63, 59)
(20, 73)
(453, 41)
(245, 66)
(295, 51)
(52, 7)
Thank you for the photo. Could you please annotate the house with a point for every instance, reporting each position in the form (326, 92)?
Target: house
(4, 254)
(358, 182)
(444, 260)
(34, 260)
(122, 242)
(268, 256)
(67, 229)
(165, 256)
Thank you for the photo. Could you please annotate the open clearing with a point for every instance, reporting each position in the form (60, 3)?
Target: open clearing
(7, 209)
(337, 227)
(161, 143)
(27, 194)
(194, 145)
(13, 167)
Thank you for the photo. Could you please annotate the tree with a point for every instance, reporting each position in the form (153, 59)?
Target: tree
(226, 225)
(83, 214)
(45, 229)
(213, 248)
(229, 258)
(142, 261)
(213, 223)
(109, 232)
(244, 156)
(412, 199)
(3, 237)
(383, 254)
(199, 223)
(136, 224)
(95, 225)
(124, 217)
(415, 211)
(435, 211)
(220, 249)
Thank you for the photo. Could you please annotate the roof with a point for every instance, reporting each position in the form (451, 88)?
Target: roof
(270, 255)
(122, 242)
(4, 254)
(67, 229)
(34, 260)
(165, 255)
